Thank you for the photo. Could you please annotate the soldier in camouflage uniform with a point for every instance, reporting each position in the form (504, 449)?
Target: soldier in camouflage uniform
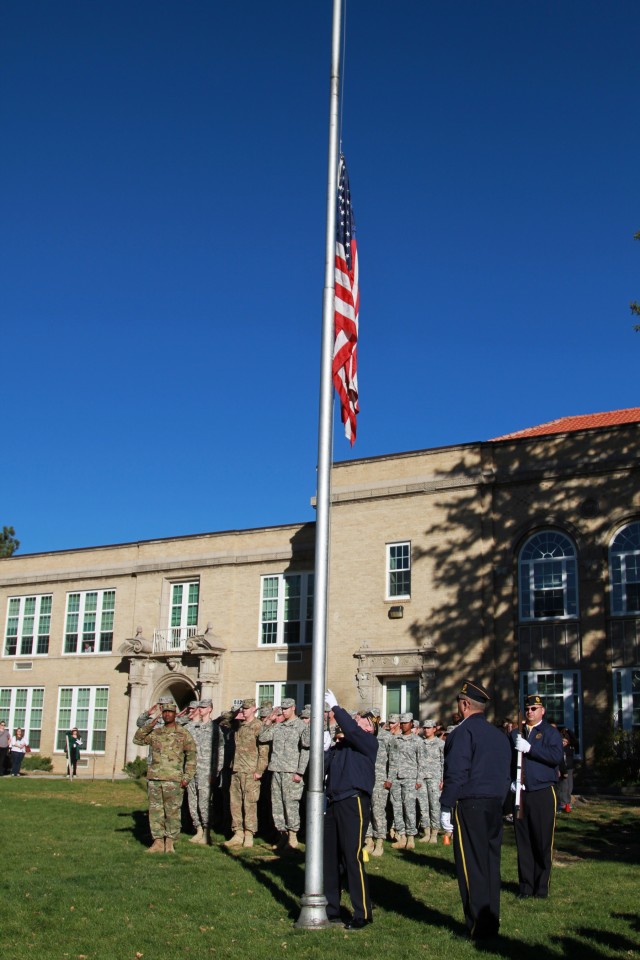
(429, 796)
(404, 779)
(249, 763)
(377, 829)
(289, 737)
(200, 787)
(171, 767)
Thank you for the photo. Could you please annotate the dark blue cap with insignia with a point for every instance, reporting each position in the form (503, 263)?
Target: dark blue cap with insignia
(473, 691)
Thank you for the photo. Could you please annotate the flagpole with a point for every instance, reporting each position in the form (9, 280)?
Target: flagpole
(313, 914)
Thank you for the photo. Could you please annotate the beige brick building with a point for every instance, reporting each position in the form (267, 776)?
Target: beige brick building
(515, 560)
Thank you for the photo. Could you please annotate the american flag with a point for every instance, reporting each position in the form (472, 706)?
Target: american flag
(347, 307)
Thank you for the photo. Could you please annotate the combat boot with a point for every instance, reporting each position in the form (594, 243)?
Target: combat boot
(293, 839)
(378, 850)
(368, 844)
(282, 842)
(156, 847)
(411, 844)
(400, 843)
(426, 834)
(168, 845)
(197, 838)
(248, 839)
(434, 836)
(236, 840)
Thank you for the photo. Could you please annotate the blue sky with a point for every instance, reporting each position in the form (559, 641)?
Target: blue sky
(162, 215)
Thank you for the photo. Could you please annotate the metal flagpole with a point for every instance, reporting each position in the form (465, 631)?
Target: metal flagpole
(313, 913)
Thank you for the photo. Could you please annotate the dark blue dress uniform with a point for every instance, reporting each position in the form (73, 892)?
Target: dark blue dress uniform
(477, 759)
(349, 781)
(535, 824)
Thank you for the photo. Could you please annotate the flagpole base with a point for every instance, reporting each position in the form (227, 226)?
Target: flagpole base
(313, 915)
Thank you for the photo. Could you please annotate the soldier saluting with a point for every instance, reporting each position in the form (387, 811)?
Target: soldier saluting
(172, 765)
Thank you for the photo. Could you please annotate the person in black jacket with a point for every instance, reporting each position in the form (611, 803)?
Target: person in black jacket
(349, 767)
(541, 749)
(477, 759)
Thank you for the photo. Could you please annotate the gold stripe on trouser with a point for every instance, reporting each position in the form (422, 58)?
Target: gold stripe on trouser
(359, 859)
(553, 832)
(461, 848)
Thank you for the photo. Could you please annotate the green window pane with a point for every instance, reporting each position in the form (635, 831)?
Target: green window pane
(73, 603)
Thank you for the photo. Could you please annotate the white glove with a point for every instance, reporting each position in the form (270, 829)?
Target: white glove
(445, 821)
(330, 699)
(522, 745)
(514, 787)
(327, 740)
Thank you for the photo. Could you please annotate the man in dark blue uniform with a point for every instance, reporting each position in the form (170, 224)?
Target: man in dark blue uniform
(541, 749)
(477, 761)
(349, 780)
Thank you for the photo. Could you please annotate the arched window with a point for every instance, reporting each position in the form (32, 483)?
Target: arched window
(548, 577)
(624, 559)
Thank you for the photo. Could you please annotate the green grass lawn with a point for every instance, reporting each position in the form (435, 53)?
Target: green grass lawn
(76, 883)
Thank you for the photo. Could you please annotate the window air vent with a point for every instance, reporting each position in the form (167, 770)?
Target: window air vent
(23, 665)
(289, 656)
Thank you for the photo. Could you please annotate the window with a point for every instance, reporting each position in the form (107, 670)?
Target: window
(89, 622)
(275, 692)
(184, 611)
(28, 626)
(398, 571)
(286, 609)
(624, 559)
(22, 707)
(626, 698)
(85, 708)
(402, 696)
(548, 577)
(561, 696)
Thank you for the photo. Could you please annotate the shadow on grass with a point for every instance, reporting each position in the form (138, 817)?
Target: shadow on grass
(139, 828)
(600, 839)
(282, 876)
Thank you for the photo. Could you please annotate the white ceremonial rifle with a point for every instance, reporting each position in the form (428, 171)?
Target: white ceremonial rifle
(517, 806)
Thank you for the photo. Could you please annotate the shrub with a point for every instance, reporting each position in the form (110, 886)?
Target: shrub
(136, 768)
(617, 755)
(35, 761)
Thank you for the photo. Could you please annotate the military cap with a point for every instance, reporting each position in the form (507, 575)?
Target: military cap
(228, 715)
(473, 691)
(206, 703)
(166, 699)
(406, 718)
(533, 700)
(264, 711)
(429, 723)
(248, 702)
(450, 729)
(194, 704)
(168, 704)
(287, 702)
(305, 713)
(394, 718)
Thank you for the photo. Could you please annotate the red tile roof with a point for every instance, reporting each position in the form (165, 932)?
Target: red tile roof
(586, 421)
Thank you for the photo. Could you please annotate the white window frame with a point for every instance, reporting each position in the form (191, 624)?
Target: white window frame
(298, 689)
(82, 635)
(624, 567)
(405, 706)
(391, 569)
(75, 718)
(32, 722)
(186, 627)
(275, 605)
(624, 696)
(555, 552)
(40, 621)
(571, 697)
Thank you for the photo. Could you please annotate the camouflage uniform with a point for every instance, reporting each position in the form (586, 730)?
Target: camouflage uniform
(405, 771)
(200, 786)
(289, 756)
(173, 759)
(379, 798)
(250, 757)
(429, 796)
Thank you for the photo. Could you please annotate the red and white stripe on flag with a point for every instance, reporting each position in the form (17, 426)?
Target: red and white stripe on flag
(347, 307)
